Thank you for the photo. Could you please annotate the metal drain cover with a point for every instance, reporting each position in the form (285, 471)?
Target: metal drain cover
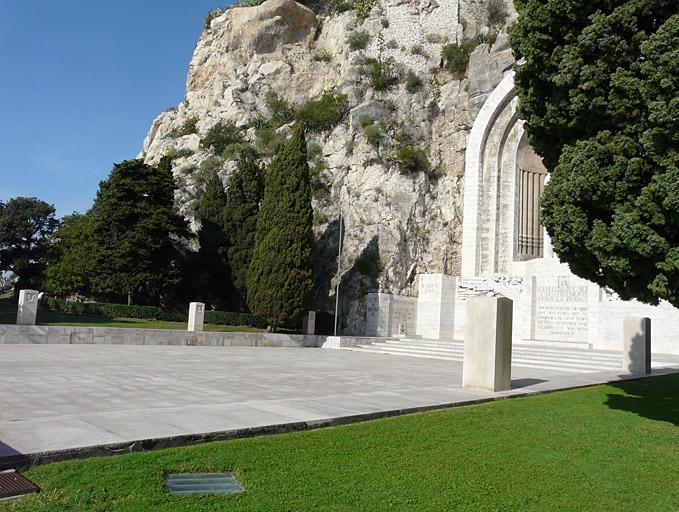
(202, 483)
(12, 485)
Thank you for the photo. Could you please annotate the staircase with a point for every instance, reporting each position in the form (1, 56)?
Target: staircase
(563, 359)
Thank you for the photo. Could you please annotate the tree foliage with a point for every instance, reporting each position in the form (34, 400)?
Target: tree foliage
(26, 227)
(280, 276)
(599, 90)
(133, 225)
(71, 262)
(244, 196)
(212, 282)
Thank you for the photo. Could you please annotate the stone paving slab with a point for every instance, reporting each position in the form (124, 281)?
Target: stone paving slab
(64, 397)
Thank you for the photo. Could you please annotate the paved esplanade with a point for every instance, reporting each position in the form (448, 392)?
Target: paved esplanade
(65, 396)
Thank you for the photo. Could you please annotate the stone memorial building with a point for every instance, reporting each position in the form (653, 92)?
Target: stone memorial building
(506, 251)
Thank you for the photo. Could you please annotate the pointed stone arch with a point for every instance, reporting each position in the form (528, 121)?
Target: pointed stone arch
(503, 182)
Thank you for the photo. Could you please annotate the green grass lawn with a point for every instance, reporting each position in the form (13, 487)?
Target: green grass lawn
(604, 448)
(8, 315)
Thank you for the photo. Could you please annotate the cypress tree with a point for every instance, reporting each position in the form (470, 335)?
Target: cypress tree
(244, 195)
(280, 276)
(213, 280)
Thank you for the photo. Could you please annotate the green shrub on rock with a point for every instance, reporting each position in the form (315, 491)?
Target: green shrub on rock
(381, 75)
(411, 159)
(212, 15)
(358, 40)
(413, 82)
(323, 113)
(456, 57)
(282, 111)
(222, 137)
(496, 12)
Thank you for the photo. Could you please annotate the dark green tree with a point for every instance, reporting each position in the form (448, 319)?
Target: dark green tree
(280, 279)
(72, 255)
(26, 227)
(244, 196)
(135, 227)
(599, 90)
(213, 283)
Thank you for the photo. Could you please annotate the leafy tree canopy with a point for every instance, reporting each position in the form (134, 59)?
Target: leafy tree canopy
(133, 225)
(26, 227)
(280, 279)
(599, 90)
(72, 257)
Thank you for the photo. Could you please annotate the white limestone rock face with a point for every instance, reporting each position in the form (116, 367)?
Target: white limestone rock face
(401, 224)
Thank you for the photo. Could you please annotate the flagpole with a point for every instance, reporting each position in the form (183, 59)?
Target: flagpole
(337, 277)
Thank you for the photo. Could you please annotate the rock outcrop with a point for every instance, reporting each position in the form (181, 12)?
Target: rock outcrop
(397, 224)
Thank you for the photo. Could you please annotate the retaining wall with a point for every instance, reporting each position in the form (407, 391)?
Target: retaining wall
(44, 334)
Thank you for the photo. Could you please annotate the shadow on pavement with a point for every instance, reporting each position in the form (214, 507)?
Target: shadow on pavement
(656, 398)
(11, 458)
(524, 383)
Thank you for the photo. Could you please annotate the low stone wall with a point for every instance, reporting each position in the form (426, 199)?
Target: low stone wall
(43, 334)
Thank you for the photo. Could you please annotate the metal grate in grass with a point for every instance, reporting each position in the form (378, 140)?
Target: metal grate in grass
(12, 485)
(202, 483)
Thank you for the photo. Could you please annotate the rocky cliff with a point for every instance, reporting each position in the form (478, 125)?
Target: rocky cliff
(401, 218)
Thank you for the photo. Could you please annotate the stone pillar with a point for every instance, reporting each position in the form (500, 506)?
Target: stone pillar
(636, 351)
(196, 315)
(488, 344)
(378, 315)
(309, 323)
(436, 306)
(28, 307)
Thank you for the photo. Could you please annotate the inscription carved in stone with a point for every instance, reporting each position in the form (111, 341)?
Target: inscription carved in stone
(561, 311)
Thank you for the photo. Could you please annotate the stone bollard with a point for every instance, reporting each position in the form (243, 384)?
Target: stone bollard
(309, 323)
(636, 350)
(28, 307)
(488, 344)
(196, 315)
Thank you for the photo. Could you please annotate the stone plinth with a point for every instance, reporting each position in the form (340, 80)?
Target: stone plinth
(636, 353)
(386, 312)
(28, 307)
(196, 316)
(436, 306)
(488, 344)
(309, 323)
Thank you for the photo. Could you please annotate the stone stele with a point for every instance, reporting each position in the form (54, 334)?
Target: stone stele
(196, 315)
(636, 354)
(488, 344)
(28, 307)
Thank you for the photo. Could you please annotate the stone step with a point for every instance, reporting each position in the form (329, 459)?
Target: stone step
(522, 364)
(516, 347)
(576, 345)
(516, 360)
(517, 352)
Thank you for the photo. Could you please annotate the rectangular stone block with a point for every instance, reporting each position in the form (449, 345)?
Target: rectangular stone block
(488, 344)
(309, 323)
(28, 307)
(436, 306)
(196, 316)
(636, 353)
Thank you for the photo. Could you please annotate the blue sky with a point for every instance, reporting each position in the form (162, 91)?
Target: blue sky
(80, 83)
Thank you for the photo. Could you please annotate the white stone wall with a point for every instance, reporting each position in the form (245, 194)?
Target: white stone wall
(436, 306)
(386, 312)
